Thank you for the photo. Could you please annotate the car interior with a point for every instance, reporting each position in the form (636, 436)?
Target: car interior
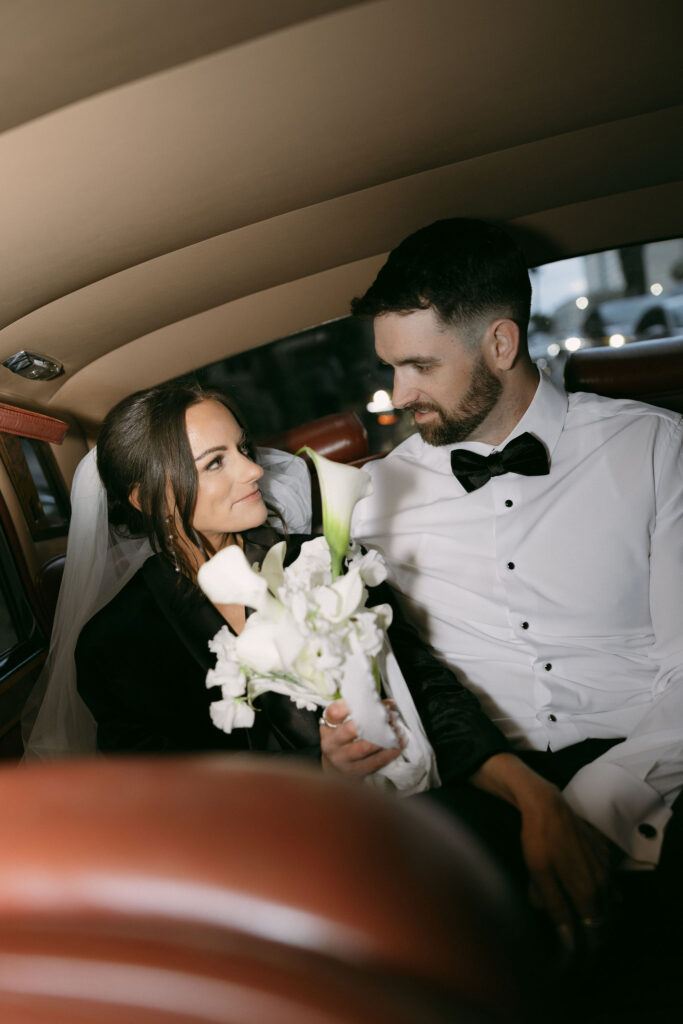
(186, 182)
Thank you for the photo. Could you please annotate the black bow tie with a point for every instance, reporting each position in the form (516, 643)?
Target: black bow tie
(524, 454)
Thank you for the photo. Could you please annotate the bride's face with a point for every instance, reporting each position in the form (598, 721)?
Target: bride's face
(228, 497)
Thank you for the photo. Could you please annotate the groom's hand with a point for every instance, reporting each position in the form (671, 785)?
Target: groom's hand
(343, 752)
(569, 861)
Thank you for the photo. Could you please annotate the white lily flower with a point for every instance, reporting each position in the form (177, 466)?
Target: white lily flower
(345, 596)
(313, 567)
(384, 615)
(272, 570)
(231, 714)
(366, 636)
(227, 578)
(360, 693)
(229, 676)
(341, 487)
(267, 646)
(223, 643)
(291, 689)
(371, 565)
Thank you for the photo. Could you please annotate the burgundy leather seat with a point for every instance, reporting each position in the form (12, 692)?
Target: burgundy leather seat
(340, 437)
(649, 371)
(232, 890)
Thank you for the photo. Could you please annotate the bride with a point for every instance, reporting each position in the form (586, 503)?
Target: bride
(177, 480)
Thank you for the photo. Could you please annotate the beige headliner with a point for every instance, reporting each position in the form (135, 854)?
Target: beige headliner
(183, 179)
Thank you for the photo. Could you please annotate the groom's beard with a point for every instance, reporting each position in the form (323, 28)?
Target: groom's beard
(457, 424)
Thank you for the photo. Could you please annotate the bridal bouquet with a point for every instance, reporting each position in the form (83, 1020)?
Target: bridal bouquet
(311, 635)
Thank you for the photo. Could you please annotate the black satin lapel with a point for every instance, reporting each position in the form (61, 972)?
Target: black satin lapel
(191, 616)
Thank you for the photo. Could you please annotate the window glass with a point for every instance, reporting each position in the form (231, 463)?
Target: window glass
(328, 369)
(606, 298)
(54, 507)
(8, 634)
(38, 485)
(20, 635)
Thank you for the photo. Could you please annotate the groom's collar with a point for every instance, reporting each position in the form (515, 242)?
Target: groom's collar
(544, 418)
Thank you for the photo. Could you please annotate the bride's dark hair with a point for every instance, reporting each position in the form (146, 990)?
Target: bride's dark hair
(143, 442)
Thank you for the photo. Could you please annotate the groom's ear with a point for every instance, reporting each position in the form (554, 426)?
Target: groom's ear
(503, 338)
(134, 497)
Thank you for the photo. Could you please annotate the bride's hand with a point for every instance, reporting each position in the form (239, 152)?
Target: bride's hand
(343, 752)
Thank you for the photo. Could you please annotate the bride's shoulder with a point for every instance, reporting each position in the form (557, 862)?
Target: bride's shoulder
(129, 608)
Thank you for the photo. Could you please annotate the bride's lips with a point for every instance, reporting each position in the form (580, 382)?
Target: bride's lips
(252, 496)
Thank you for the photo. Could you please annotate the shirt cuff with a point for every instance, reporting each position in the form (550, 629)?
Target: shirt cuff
(622, 807)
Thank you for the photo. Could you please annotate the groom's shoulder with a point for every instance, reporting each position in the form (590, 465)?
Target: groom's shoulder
(409, 451)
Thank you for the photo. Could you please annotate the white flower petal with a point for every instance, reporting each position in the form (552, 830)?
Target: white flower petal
(223, 643)
(229, 677)
(384, 615)
(227, 578)
(369, 714)
(351, 593)
(341, 487)
(272, 569)
(371, 565)
(231, 714)
(267, 646)
(256, 647)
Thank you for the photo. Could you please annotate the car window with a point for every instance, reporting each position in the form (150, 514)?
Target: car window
(8, 634)
(38, 485)
(327, 369)
(608, 298)
(20, 635)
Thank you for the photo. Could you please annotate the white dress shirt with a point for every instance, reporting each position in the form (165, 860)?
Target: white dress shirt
(557, 599)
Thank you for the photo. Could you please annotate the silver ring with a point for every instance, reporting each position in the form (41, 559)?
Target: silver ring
(330, 725)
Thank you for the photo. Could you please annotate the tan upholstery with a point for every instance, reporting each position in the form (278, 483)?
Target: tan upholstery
(179, 188)
(650, 371)
(242, 890)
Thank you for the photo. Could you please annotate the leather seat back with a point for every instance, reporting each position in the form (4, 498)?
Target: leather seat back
(225, 889)
(649, 371)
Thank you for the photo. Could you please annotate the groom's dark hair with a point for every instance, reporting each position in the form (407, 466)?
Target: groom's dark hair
(468, 271)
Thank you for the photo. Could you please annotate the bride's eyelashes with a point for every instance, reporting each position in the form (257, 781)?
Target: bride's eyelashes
(245, 448)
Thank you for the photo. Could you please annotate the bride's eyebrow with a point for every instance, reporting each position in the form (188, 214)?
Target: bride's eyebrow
(209, 451)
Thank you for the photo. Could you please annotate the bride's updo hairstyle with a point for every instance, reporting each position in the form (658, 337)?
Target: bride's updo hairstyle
(143, 442)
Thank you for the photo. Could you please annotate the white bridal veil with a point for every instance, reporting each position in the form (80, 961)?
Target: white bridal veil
(55, 721)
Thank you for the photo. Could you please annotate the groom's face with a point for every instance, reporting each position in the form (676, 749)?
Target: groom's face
(442, 379)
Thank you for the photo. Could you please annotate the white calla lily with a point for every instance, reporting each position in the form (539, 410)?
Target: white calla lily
(227, 578)
(340, 600)
(268, 646)
(272, 569)
(360, 692)
(341, 487)
(312, 638)
(351, 593)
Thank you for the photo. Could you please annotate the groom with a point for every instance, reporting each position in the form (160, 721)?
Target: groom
(536, 539)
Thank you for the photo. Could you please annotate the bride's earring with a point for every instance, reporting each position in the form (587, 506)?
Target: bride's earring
(171, 538)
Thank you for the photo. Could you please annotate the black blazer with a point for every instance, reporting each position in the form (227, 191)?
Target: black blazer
(142, 662)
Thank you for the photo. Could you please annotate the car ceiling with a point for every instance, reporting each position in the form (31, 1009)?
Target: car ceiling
(185, 179)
